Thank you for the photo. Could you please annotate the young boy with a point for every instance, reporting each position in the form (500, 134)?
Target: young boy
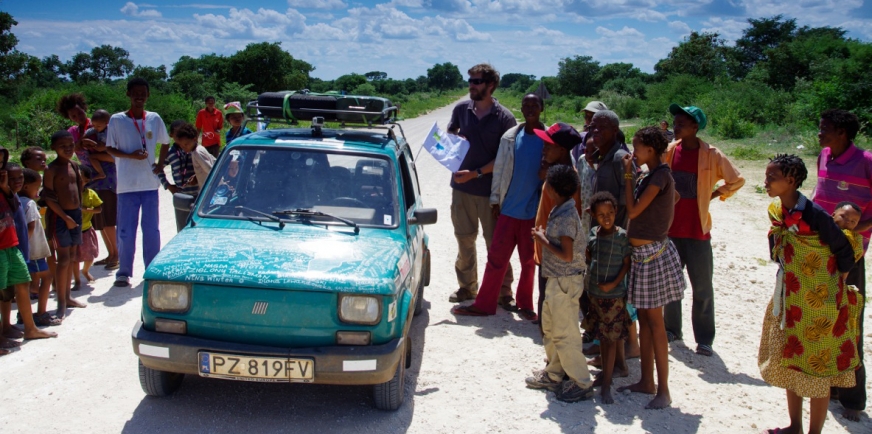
(88, 251)
(186, 138)
(62, 191)
(608, 257)
(563, 265)
(40, 282)
(132, 138)
(95, 138)
(235, 116)
(209, 122)
(14, 276)
(182, 170)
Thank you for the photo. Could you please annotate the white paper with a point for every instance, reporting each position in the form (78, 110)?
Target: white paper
(449, 150)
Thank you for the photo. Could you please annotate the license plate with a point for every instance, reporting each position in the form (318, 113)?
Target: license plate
(263, 369)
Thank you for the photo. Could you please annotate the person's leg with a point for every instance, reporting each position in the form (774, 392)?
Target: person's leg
(524, 295)
(853, 399)
(44, 279)
(553, 367)
(700, 270)
(22, 299)
(86, 270)
(150, 225)
(498, 256)
(463, 218)
(646, 347)
(485, 215)
(128, 220)
(111, 240)
(794, 410)
(74, 265)
(672, 311)
(661, 357)
(817, 414)
(566, 336)
(7, 332)
(63, 280)
(607, 352)
(632, 343)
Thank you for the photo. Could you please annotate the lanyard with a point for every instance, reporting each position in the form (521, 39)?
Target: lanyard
(141, 132)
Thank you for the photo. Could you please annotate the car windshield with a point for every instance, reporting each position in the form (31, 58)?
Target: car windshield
(254, 183)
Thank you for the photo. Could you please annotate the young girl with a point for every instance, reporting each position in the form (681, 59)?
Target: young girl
(655, 274)
(235, 116)
(88, 251)
(809, 340)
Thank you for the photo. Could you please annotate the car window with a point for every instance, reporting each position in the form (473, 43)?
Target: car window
(361, 188)
(408, 189)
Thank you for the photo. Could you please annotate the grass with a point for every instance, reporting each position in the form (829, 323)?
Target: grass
(421, 103)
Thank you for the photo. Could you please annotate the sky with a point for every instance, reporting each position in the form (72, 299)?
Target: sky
(405, 37)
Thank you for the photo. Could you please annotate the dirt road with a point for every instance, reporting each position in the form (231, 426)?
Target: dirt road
(467, 373)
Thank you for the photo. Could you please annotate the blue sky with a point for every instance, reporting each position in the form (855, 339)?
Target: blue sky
(405, 37)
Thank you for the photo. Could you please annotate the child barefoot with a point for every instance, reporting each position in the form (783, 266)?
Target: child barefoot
(809, 340)
(40, 282)
(34, 158)
(62, 189)
(88, 251)
(655, 274)
(608, 257)
(563, 266)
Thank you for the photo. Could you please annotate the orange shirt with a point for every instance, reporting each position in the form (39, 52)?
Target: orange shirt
(546, 204)
(210, 124)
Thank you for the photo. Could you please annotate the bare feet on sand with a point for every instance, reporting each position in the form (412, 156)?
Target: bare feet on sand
(640, 388)
(660, 401)
(89, 276)
(607, 396)
(852, 415)
(71, 302)
(39, 334)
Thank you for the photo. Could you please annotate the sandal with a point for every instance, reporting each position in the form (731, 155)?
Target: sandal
(671, 337)
(47, 320)
(468, 311)
(508, 303)
(112, 265)
(705, 350)
(528, 314)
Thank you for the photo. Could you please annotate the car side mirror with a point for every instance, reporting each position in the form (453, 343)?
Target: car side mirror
(183, 202)
(423, 216)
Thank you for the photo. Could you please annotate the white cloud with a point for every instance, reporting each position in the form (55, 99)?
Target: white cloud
(317, 4)
(132, 10)
(679, 27)
(728, 29)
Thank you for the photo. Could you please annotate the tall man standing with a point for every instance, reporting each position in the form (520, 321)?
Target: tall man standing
(482, 121)
(132, 139)
(696, 167)
(209, 123)
(609, 153)
(845, 174)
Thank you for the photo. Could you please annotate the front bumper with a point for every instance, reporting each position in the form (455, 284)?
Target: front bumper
(350, 365)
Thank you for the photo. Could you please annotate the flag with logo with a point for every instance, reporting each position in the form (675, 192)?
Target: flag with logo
(448, 149)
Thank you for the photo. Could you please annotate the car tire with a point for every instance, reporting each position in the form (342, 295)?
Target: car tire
(419, 302)
(426, 267)
(389, 396)
(158, 383)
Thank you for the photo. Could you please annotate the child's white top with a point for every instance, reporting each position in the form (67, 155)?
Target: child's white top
(38, 244)
(126, 134)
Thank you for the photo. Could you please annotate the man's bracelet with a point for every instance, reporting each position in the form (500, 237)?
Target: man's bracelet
(628, 176)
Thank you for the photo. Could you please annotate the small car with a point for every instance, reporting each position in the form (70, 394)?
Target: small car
(303, 260)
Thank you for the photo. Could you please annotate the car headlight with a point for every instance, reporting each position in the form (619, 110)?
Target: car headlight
(360, 309)
(169, 297)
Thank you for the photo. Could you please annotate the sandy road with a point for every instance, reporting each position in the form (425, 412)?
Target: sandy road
(467, 374)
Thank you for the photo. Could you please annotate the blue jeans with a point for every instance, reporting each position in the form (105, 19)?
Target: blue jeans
(129, 207)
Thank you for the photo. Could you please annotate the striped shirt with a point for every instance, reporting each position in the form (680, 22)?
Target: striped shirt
(182, 167)
(847, 177)
(607, 255)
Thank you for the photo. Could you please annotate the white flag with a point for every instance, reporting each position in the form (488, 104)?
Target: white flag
(449, 150)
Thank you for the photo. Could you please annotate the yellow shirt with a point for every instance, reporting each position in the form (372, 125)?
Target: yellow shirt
(89, 200)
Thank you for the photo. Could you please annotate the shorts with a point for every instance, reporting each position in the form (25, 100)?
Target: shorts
(89, 250)
(13, 269)
(65, 237)
(608, 319)
(108, 216)
(37, 265)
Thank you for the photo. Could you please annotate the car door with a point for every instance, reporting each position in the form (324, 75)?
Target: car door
(412, 200)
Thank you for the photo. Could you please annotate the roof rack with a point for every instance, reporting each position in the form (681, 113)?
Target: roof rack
(255, 113)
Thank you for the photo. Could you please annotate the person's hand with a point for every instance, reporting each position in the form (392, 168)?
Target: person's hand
(71, 224)
(607, 286)
(173, 189)
(158, 168)
(495, 210)
(192, 181)
(88, 144)
(464, 176)
(138, 155)
(538, 234)
(715, 194)
(628, 163)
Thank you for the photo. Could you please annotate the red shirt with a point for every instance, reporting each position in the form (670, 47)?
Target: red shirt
(210, 124)
(685, 168)
(8, 237)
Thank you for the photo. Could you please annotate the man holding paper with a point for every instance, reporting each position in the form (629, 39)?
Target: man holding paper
(482, 121)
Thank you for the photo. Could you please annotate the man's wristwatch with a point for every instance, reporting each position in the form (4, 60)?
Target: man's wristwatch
(478, 173)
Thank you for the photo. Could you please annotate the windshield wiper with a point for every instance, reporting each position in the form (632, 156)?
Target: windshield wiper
(269, 216)
(305, 212)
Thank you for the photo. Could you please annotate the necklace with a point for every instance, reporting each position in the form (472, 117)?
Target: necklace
(609, 262)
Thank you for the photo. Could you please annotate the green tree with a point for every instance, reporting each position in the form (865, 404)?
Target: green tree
(444, 76)
(700, 55)
(577, 76)
(267, 68)
(517, 81)
(364, 89)
(811, 55)
(192, 85)
(762, 35)
(79, 68)
(156, 76)
(50, 73)
(108, 62)
(14, 65)
(236, 92)
(376, 75)
(349, 82)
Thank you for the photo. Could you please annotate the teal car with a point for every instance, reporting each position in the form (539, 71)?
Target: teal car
(304, 260)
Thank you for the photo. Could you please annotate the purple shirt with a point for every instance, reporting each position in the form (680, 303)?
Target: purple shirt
(484, 141)
(847, 177)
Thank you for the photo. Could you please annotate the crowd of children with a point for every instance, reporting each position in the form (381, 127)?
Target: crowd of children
(50, 213)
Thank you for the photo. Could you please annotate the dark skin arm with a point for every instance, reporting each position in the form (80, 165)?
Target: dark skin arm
(52, 202)
(562, 251)
(606, 287)
(635, 207)
(96, 210)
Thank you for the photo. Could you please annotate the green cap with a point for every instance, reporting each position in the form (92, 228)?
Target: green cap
(693, 111)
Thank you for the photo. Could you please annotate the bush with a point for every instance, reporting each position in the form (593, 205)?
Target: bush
(732, 126)
(624, 105)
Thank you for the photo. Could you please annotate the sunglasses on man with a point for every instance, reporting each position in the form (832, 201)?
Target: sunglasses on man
(476, 81)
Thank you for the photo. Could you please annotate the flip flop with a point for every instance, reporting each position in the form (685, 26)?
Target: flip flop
(467, 311)
(528, 314)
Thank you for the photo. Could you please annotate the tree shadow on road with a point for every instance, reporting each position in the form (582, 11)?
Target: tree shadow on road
(216, 406)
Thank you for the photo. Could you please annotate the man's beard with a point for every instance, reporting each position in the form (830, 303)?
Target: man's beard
(476, 95)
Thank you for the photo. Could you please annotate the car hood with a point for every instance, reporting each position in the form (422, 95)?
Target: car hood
(303, 258)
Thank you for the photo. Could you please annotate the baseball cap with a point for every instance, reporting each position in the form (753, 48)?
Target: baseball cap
(595, 106)
(693, 111)
(232, 107)
(560, 134)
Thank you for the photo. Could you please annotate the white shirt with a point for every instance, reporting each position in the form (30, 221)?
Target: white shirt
(122, 134)
(38, 243)
(203, 162)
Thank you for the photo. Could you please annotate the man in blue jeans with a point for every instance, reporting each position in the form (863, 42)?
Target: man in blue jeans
(132, 139)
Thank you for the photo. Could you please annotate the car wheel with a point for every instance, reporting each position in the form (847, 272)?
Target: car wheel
(426, 273)
(419, 303)
(158, 383)
(389, 396)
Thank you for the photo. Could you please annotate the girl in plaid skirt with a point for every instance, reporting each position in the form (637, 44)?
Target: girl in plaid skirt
(655, 273)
